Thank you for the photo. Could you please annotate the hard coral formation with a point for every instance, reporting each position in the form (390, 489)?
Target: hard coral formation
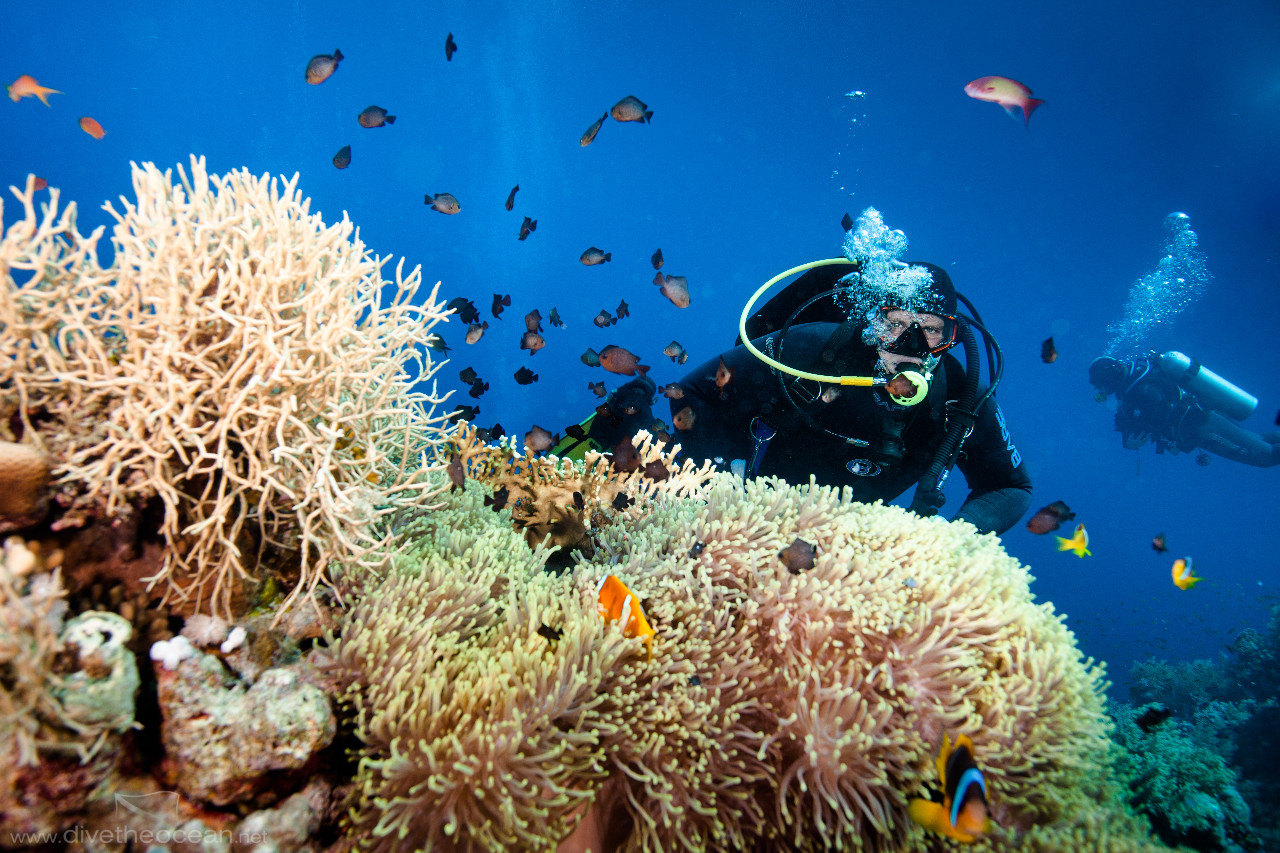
(778, 710)
(240, 365)
(24, 476)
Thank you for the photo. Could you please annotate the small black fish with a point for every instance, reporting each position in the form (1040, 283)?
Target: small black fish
(342, 159)
(467, 375)
(450, 47)
(656, 259)
(525, 376)
(478, 387)
(846, 222)
(550, 633)
(555, 320)
(624, 310)
(374, 117)
(697, 549)
(494, 433)
(798, 556)
(597, 388)
(464, 413)
(467, 311)
(499, 303)
(457, 473)
(590, 358)
(527, 227)
(621, 502)
(656, 471)
(1153, 716)
(436, 343)
(499, 499)
(695, 681)
(1048, 352)
(576, 431)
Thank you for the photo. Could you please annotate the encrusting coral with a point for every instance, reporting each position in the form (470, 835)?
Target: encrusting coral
(239, 364)
(778, 710)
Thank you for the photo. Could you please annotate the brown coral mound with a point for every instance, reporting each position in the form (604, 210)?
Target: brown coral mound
(238, 366)
(778, 711)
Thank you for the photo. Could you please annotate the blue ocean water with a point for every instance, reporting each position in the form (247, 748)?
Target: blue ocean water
(754, 153)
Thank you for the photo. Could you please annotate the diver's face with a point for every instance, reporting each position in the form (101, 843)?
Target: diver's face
(897, 321)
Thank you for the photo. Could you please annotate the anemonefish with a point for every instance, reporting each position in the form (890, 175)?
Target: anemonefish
(619, 604)
(962, 814)
(1009, 94)
(1078, 542)
(1184, 574)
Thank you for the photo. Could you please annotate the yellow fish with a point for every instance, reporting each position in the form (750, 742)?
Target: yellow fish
(619, 604)
(962, 814)
(1078, 542)
(1184, 574)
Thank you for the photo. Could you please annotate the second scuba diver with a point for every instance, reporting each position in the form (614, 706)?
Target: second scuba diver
(869, 400)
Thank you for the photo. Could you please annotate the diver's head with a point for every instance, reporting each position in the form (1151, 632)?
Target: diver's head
(1109, 375)
(925, 324)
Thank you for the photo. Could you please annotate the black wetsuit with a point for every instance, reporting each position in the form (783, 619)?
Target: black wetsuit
(820, 438)
(1153, 407)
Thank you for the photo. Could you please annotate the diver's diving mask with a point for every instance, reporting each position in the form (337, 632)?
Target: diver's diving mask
(914, 337)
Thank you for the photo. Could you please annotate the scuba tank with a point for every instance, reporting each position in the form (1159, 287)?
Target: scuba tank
(1210, 389)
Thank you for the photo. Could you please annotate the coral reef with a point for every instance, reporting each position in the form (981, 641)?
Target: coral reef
(778, 710)
(240, 370)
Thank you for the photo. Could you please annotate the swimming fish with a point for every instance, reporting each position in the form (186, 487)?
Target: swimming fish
(525, 376)
(616, 603)
(464, 413)
(533, 320)
(528, 227)
(632, 108)
(450, 47)
(962, 814)
(554, 319)
(467, 375)
(590, 358)
(511, 197)
(538, 440)
(321, 66)
(656, 471)
(597, 388)
(476, 331)
(27, 87)
(457, 474)
(500, 302)
(465, 308)
(1050, 518)
(604, 318)
(342, 159)
(656, 259)
(1184, 574)
(683, 419)
(672, 391)
(436, 343)
(1079, 542)
(552, 634)
(675, 352)
(724, 375)
(91, 127)
(846, 222)
(375, 117)
(593, 256)
(624, 310)
(1009, 94)
(532, 341)
(499, 499)
(623, 456)
(1157, 542)
(478, 387)
(443, 202)
(615, 359)
(1048, 352)
(675, 288)
(590, 134)
(797, 557)
(39, 184)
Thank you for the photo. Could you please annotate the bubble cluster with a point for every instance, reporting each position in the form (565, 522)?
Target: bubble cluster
(1160, 296)
(883, 279)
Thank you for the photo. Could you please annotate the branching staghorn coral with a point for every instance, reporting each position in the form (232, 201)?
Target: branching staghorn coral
(239, 361)
(778, 710)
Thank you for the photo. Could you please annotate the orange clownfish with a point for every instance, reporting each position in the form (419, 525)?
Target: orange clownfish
(617, 603)
(1079, 542)
(962, 814)
(1184, 574)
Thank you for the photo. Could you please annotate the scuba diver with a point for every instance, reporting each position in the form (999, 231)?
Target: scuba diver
(1175, 402)
(780, 403)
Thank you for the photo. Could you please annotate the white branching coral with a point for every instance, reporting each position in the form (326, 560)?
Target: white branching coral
(240, 362)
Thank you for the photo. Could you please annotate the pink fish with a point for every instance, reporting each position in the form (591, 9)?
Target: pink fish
(1005, 92)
